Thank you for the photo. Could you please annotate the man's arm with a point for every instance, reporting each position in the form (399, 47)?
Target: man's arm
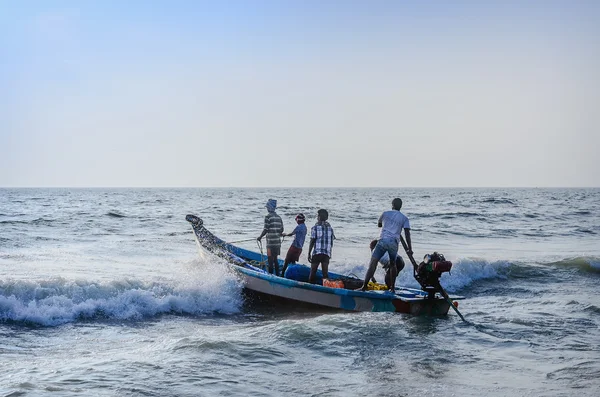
(290, 234)
(380, 221)
(407, 234)
(265, 227)
(310, 247)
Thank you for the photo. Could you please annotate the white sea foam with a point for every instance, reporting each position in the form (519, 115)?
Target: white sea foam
(202, 289)
(466, 271)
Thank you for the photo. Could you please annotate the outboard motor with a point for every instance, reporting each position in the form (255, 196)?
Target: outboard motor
(429, 271)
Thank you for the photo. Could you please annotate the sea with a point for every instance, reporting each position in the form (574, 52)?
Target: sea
(103, 292)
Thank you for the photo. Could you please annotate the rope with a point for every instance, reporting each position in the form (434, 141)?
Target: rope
(240, 241)
(260, 247)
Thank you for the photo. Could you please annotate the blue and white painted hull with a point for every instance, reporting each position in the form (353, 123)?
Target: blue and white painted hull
(405, 300)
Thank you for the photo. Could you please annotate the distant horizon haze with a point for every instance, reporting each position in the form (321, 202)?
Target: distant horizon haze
(311, 94)
(300, 187)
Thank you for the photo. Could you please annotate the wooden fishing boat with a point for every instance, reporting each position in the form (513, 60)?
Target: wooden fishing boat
(295, 287)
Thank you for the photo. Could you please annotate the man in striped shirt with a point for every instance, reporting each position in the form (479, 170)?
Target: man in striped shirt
(321, 240)
(272, 229)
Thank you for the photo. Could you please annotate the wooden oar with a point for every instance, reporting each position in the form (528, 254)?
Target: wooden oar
(444, 293)
(412, 260)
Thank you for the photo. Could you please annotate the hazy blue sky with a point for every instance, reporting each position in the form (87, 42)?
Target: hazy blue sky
(282, 93)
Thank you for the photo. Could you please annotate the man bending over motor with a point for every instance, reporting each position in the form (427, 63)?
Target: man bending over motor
(385, 263)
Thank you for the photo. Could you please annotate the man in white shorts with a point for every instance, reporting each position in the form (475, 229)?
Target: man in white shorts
(392, 222)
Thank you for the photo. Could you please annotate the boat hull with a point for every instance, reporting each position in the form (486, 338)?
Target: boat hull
(345, 301)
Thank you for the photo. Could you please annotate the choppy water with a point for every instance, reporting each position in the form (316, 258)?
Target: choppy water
(102, 292)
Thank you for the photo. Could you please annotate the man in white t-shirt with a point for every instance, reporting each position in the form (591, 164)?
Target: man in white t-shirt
(392, 222)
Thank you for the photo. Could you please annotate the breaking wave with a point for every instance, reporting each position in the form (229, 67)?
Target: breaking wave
(57, 301)
(464, 273)
(589, 264)
(468, 271)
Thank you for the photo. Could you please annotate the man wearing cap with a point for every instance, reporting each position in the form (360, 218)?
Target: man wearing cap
(273, 229)
(299, 233)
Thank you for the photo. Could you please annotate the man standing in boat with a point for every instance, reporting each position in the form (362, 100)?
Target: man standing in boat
(299, 233)
(321, 240)
(273, 229)
(392, 222)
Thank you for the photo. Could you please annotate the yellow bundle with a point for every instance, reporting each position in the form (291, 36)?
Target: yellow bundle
(376, 286)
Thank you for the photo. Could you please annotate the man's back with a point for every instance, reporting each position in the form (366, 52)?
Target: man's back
(393, 222)
(274, 228)
(323, 235)
(299, 235)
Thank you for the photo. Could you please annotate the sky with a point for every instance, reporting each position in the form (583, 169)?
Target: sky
(299, 93)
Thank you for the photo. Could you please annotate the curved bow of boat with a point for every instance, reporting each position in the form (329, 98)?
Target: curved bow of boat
(208, 242)
(194, 220)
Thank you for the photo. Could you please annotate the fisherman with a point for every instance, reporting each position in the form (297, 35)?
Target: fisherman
(392, 222)
(273, 229)
(385, 263)
(321, 240)
(299, 233)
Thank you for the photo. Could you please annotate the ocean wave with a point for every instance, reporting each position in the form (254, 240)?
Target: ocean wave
(13, 222)
(590, 264)
(467, 271)
(582, 212)
(36, 222)
(452, 215)
(447, 231)
(182, 233)
(537, 234)
(45, 238)
(498, 200)
(42, 221)
(592, 309)
(583, 230)
(59, 301)
(115, 214)
(448, 215)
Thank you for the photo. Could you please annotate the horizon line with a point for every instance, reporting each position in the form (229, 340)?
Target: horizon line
(299, 187)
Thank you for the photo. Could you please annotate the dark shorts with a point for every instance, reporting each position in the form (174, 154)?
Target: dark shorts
(293, 254)
(273, 251)
(320, 259)
(399, 264)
